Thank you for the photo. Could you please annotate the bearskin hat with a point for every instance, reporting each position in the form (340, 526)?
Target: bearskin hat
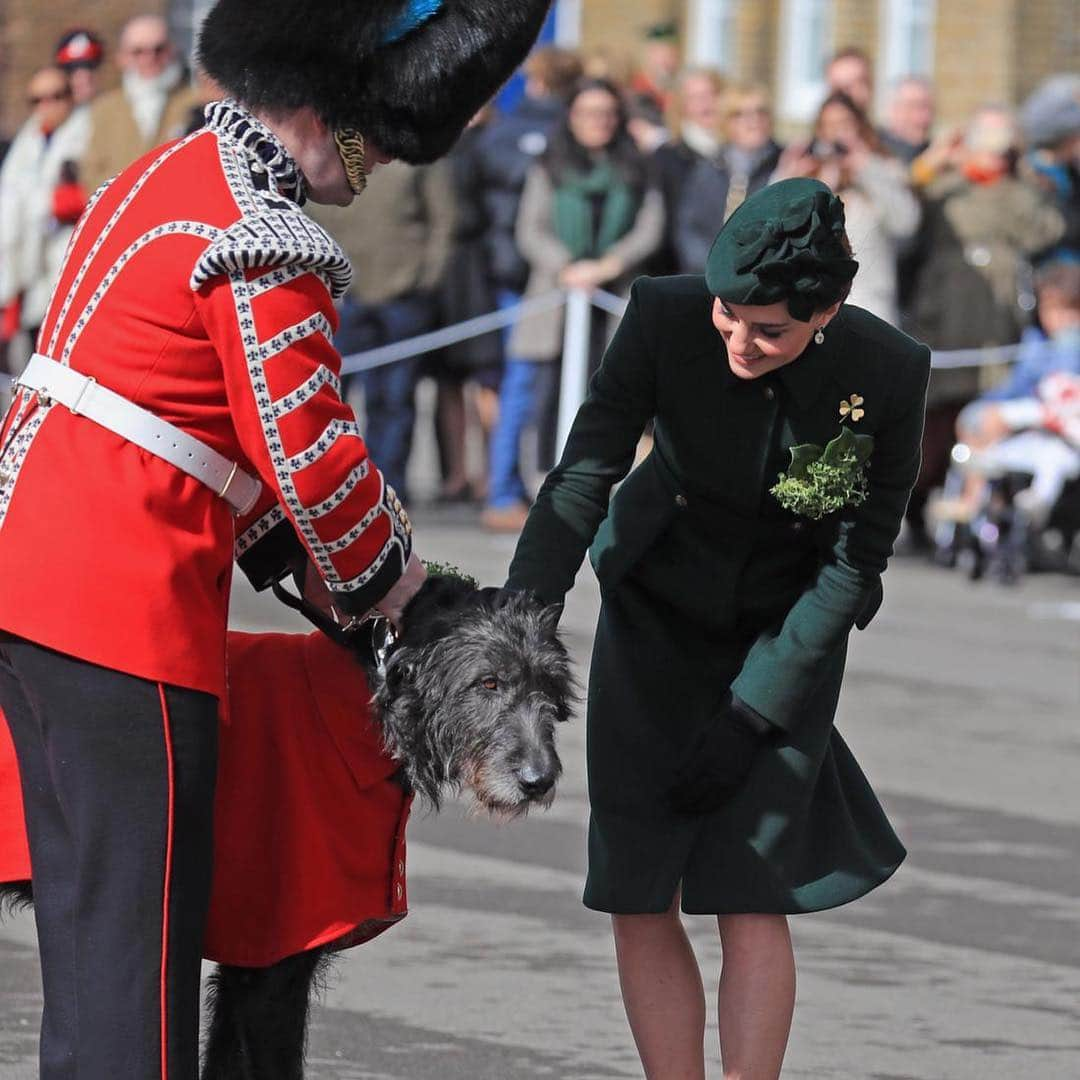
(408, 74)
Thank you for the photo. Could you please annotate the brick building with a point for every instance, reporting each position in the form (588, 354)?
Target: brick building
(29, 30)
(974, 50)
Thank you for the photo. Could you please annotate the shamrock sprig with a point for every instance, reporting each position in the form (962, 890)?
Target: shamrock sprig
(437, 569)
(820, 480)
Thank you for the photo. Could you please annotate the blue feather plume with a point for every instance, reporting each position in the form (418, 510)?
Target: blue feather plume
(414, 14)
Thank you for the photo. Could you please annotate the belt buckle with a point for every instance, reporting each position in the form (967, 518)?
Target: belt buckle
(86, 386)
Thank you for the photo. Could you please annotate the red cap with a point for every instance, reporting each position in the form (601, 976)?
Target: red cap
(80, 48)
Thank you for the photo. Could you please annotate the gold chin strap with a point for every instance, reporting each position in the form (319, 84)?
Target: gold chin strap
(350, 144)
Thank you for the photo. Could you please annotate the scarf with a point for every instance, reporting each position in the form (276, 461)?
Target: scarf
(702, 141)
(574, 210)
(148, 97)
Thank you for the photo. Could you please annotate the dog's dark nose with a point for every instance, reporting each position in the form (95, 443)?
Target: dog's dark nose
(533, 782)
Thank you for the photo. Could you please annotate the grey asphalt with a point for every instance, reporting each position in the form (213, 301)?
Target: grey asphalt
(963, 706)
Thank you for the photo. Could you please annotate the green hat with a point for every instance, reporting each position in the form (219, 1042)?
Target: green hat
(662, 31)
(786, 242)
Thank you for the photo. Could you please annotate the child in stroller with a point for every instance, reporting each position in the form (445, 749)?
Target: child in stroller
(1013, 493)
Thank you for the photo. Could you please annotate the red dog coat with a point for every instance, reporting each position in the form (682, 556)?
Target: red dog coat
(309, 827)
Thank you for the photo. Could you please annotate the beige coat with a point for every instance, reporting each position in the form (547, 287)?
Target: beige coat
(882, 215)
(115, 139)
(397, 234)
(540, 336)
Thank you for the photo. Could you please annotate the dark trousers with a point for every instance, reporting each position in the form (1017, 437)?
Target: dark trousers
(118, 784)
(390, 390)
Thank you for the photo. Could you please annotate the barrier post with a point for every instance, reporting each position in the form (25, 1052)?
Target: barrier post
(575, 363)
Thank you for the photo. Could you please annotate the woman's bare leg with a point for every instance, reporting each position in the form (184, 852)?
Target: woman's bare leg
(757, 995)
(663, 994)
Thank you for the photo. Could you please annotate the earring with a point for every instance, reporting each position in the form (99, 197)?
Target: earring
(350, 144)
(819, 336)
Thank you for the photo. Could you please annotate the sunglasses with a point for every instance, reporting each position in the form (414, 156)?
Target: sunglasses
(746, 114)
(40, 99)
(160, 49)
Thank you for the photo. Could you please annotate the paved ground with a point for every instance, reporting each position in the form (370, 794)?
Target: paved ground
(963, 705)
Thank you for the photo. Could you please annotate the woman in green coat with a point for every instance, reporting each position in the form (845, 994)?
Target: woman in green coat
(733, 563)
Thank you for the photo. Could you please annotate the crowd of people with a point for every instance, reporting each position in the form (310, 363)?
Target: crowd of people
(601, 172)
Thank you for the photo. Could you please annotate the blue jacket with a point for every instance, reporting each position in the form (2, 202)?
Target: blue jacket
(1038, 357)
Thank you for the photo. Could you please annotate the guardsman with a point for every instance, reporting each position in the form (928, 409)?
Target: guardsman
(183, 401)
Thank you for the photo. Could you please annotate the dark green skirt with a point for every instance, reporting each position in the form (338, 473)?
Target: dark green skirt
(804, 833)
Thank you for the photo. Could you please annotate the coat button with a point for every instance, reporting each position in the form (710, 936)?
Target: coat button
(797, 526)
(401, 867)
(680, 501)
(398, 891)
(769, 393)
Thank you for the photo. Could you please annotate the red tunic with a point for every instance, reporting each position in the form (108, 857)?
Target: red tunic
(309, 827)
(195, 287)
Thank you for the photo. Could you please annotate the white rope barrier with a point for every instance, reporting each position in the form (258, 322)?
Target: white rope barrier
(450, 335)
(551, 301)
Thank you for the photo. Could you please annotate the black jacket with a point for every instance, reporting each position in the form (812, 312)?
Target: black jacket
(504, 152)
(700, 212)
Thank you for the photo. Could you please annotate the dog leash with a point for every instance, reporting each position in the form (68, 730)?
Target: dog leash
(371, 638)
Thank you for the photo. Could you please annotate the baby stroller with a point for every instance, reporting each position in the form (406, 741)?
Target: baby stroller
(1009, 532)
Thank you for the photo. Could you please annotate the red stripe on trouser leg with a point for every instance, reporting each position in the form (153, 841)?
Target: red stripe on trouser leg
(167, 884)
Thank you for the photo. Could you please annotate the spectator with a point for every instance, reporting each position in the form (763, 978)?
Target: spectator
(468, 290)
(40, 200)
(589, 216)
(910, 118)
(506, 150)
(646, 123)
(715, 188)
(851, 73)
(660, 63)
(981, 227)
(1018, 424)
(398, 240)
(151, 105)
(79, 54)
(1051, 120)
(696, 122)
(881, 211)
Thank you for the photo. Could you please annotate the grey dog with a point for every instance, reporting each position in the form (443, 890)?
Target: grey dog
(468, 696)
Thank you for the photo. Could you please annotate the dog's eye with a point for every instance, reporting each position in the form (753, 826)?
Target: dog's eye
(489, 682)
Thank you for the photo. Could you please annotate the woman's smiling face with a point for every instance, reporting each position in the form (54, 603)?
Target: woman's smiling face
(763, 337)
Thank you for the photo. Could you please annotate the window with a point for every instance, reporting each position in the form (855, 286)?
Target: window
(711, 41)
(806, 45)
(185, 18)
(568, 23)
(907, 40)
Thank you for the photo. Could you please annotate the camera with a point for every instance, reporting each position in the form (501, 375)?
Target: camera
(823, 150)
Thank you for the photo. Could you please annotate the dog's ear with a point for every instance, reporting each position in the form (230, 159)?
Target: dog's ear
(395, 671)
(438, 595)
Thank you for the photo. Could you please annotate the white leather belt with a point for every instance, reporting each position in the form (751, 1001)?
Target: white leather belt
(84, 396)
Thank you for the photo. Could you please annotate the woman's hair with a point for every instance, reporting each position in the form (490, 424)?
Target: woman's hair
(867, 131)
(844, 291)
(737, 94)
(1060, 279)
(565, 155)
(557, 69)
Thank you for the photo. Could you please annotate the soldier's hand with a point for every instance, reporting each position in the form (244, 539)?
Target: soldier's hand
(393, 603)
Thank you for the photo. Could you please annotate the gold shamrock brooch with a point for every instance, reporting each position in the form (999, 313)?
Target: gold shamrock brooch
(852, 408)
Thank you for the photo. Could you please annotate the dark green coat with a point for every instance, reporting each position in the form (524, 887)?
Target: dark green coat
(708, 583)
